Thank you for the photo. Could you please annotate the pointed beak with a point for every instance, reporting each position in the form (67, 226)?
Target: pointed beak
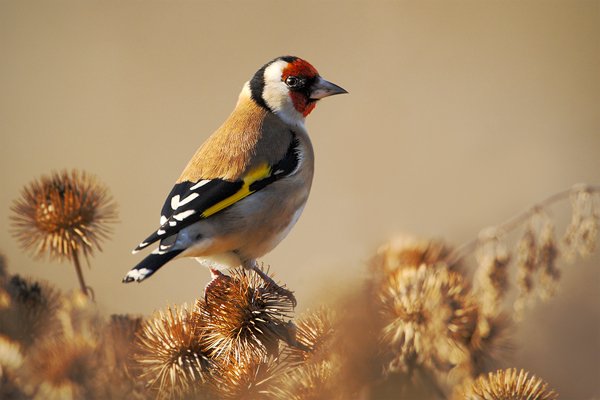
(322, 88)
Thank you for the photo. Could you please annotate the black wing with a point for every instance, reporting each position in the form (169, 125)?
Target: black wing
(189, 202)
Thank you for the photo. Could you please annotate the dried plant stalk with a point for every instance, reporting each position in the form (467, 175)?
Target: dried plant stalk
(492, 278)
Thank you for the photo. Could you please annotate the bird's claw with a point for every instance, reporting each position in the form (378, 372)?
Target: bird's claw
(286, 293)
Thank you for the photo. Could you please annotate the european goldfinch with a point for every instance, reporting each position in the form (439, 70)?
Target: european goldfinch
(246, 186)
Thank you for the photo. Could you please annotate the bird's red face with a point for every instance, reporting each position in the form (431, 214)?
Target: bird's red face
(299, 73)
(290, 87)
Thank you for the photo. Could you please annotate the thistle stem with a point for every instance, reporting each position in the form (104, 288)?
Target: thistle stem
(80, 273)
(466, 248)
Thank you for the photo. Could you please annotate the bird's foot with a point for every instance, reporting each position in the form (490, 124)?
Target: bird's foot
(270, 282)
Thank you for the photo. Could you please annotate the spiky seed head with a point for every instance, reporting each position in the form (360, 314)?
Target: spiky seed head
(65, 368)
(407, 251)
(509, 384)
(118, 335)
(245, 318)
(310, 381)
(63, 214)
(315, 333)
(31, 309)
(429, 317)
(248, 379)
(170, 354)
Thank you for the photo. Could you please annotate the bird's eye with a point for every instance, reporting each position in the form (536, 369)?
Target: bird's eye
(293, 81)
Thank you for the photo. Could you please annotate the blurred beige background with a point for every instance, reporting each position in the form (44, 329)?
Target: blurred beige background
(460, 114)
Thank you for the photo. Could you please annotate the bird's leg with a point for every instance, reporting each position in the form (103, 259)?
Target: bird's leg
(253, 265)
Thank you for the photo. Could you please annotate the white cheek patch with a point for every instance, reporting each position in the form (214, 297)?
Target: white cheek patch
(277, 96)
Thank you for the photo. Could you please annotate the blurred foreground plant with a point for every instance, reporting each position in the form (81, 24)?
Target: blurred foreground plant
(420, 327)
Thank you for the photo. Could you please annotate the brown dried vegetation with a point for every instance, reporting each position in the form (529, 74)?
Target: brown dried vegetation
(421, 326)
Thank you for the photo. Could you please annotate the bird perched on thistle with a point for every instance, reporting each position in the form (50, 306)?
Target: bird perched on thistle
(246, 186)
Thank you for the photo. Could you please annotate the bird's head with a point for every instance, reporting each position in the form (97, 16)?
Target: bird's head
(290, 87)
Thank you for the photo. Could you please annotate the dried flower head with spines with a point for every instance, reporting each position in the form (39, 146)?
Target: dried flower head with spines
(508, 384)
(65, 368)
(244, 317)
(31, 310)
(248, 379)
(63, 214)
(407, 251)
(310, 381)
(429, 316)
(315, 333)
(170, 353)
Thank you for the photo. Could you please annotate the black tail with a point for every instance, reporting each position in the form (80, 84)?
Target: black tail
(149, 265)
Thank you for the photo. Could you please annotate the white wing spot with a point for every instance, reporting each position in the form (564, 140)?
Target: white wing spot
(199, 184)
(174, 202)
(161, 232)
(187, 199)
(172, 223)
(138, 274)
(163, 220)
(182, 215)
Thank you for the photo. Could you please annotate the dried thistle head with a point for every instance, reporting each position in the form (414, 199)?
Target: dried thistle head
(31, 309)
(170, 353)
(508, 384)
(244, 318)
(248, 379)
(116, 351)
(65, 368)
(63, 214)
(407, 251)
(315, 334)
(310, 381)
(429, 317)
(492, 276)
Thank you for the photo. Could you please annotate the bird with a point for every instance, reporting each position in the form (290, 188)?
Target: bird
(246, 186)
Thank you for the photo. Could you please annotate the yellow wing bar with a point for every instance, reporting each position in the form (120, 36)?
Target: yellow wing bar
(256, 174)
